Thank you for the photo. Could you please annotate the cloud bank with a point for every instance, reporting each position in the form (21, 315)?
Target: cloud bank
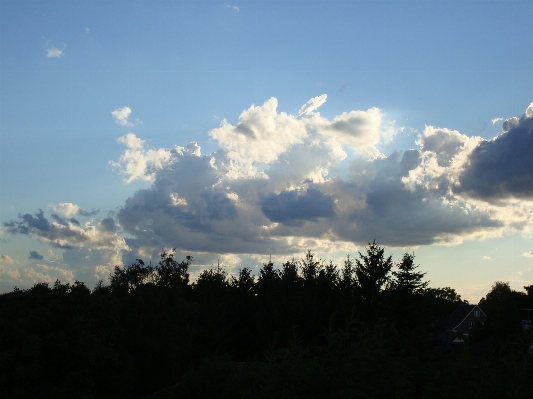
(281, 181)
(280, 184)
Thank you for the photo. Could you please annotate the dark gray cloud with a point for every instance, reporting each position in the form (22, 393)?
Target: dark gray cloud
(503, 167)
(108, 224)
(34, 255)
(64, 221)
(290, 206)
(401, 217)
(379, 206)
(29, 222)
(64, 233)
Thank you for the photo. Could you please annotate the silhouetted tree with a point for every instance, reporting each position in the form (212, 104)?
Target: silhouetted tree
(502, 306)
(372, 271)
(406, 278)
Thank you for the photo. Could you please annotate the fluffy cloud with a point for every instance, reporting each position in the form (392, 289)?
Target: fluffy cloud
(528, 254)
(260, 136)
(280, 184)
(139, 163)
(488, 176)
(121, 116)
(275, 187)
(68, 209)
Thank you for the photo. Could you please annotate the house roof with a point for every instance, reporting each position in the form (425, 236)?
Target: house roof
(459, 315)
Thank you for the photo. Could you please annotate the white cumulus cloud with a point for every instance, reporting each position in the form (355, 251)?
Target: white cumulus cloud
(275, 187)
(121, 116)
(138, 162)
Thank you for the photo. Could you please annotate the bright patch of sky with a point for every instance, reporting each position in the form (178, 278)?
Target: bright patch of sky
(235, 131)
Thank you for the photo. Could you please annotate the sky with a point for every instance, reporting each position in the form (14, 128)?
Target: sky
(235, 132)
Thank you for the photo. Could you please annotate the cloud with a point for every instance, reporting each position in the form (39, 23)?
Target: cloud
(65, 233)
(54, 52)
(121, 116)
(486, 258)
(501, 168)
(234, 8)
(87, 30)
(28, 276)
(528, 254)
(131, 141)
(139, 163)
(275, 186)
(259, 137)
(296, 205)
(5, 259)
(529, 111)
(281, 184)
(496, 120)
(34, 255)
(69, 209)
(312, 105)
(263, 136)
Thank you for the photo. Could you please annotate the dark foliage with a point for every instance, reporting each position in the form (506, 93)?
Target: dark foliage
(305, 329)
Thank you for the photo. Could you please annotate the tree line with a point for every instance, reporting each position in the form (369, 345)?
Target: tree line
(305, 328)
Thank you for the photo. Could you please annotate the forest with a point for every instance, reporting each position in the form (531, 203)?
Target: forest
(302, 329)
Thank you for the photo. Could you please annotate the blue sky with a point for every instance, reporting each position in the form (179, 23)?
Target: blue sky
(315, 125)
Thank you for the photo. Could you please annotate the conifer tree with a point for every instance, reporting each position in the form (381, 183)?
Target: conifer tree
(406, 278)
(372, 271)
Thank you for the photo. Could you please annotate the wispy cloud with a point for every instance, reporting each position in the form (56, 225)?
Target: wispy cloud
(496, 120)
(27, 276)
(312, 105)
(528, 254)
(234, 8)
(52, 51)
(486, 258)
